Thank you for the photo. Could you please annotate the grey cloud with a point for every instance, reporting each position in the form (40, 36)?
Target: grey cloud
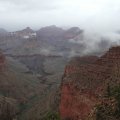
(98, 15)
(28, 5)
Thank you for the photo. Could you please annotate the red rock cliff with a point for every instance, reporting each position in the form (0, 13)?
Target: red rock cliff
(85, 81)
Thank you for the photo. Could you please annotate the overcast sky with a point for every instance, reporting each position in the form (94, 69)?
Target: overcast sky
(95, 15)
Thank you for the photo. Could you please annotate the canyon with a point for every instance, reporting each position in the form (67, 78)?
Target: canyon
(29, 72)
(41, 69)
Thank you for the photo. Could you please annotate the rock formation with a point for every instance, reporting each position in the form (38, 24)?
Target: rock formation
(85, 81)
(25, 33)
(53, 32)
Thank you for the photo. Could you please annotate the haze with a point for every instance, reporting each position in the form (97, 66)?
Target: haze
(95, 15)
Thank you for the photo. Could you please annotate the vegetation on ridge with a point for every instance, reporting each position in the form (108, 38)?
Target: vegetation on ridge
(109, 109)
(51, 116)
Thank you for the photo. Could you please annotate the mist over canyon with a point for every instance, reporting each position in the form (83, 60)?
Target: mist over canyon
(35, 65)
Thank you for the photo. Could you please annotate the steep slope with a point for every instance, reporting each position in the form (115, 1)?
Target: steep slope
(32, 83)
(19, 87)
(46, 69)
(84, 84)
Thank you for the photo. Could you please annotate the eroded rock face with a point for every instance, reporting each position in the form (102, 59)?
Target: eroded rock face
(84, 83)
(75, 104)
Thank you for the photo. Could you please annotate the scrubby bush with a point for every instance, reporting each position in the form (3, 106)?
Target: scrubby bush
(51, 116)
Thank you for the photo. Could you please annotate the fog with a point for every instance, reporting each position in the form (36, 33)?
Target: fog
(98, 18)
(92, 15)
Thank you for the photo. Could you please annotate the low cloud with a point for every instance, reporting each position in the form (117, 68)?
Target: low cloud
(95, 44)
(45, 51)
(95, 15)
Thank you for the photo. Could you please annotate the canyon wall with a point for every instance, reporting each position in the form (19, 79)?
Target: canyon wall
(85, 81)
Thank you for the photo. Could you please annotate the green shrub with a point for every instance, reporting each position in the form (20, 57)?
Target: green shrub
(51, 116)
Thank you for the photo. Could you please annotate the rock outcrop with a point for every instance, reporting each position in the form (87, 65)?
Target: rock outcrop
(85, 81)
